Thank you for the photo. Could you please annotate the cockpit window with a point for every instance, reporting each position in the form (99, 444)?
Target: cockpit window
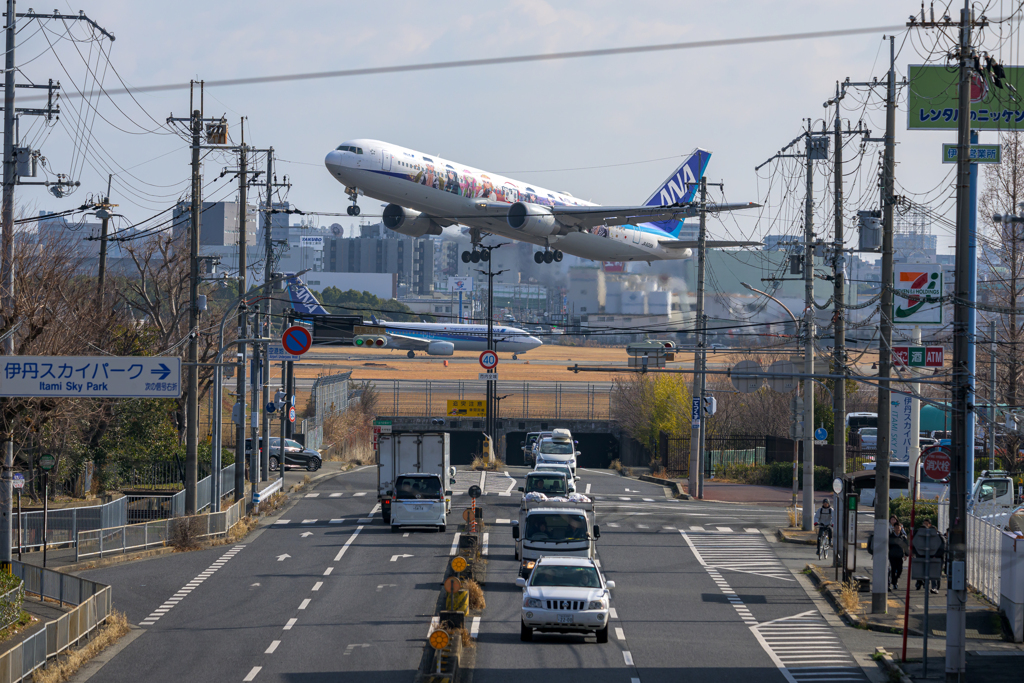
(350, 148)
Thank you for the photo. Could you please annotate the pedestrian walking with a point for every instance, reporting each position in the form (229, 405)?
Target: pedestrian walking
(897, 551)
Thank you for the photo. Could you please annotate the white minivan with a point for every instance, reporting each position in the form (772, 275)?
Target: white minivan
(420, 499)
(558, 449)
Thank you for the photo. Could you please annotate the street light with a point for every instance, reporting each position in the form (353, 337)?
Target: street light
(216, 437)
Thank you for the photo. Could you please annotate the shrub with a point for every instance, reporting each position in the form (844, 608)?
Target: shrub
(186, 532)
(926, 509)
(776, 474)
(10, 608)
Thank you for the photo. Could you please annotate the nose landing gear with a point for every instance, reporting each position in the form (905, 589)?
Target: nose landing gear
(353, 194)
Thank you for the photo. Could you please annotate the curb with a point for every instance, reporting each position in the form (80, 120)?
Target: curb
(782, 536)
(824, 586)
(674, 486)
(103, 563)
(890, 665)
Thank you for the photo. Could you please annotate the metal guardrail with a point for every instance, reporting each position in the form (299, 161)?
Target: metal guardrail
(523, 400)
(268, 491)
(64, 524)
(131, 537)
(93, 603)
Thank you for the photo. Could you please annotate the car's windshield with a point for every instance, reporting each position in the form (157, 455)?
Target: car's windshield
(412, 488)
(545, 483)
(556, 447)
(869, 431)
(576, 577)
(556, 527)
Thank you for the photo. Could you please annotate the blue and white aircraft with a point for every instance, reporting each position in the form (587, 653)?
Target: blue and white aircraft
(435, 339)
(427, 193)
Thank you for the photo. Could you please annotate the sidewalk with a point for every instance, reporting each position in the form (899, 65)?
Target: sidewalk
(727, 492)
(990, 656)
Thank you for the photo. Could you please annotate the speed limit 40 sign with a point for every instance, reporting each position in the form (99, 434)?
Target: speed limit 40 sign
(489, 360)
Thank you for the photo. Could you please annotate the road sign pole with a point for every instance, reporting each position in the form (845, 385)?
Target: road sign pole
(19, 526)
(46, 511)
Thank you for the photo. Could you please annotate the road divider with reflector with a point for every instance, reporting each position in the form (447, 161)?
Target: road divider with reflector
(370, 341)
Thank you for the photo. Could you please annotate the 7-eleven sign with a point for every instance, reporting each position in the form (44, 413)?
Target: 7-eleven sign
(917, 299)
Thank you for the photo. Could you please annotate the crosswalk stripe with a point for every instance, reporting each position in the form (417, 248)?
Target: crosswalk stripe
(806, 648)
(745, 554)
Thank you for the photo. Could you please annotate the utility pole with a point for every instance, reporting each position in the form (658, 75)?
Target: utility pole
(243, 287)
(696, 479)
(956, 596)
(808, 435)
(264, 329)
(104, 214)
(7, 225)
(992, 396)
(880, 578)
(839, 318)
(192, 407)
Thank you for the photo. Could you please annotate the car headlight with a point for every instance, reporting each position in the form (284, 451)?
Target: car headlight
(534, 602)
(597, 604)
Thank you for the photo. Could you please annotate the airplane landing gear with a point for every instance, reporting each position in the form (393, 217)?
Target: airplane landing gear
(353, 194)
(547, 256)
(515, 357)
(411, 354)
(476, 256)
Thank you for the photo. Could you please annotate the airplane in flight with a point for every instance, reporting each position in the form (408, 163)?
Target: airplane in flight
(426, 193)
(435, 339)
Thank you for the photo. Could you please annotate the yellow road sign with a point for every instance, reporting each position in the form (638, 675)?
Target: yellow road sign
(458, 564)
(439, 640)
(470, 408)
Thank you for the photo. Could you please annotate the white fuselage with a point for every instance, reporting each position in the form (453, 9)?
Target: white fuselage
(464, 337)
(441, 188)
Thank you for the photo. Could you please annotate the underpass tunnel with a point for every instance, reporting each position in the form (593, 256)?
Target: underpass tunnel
(597, 450)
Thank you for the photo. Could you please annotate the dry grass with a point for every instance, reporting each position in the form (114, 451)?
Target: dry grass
(467, 639)
(476, 594)
(660, 473)
(301, 485)
(616, 465)
(186, 533)
(242, 529)
(849, 597)
(791, 514)
(480, 464)
(67, 665)
(275, 501)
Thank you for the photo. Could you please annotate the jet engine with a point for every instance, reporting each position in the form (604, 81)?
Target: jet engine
(440, 348)
(409, 222)
(532, 219)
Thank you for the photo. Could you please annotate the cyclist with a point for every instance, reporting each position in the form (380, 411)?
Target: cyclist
(823, 520)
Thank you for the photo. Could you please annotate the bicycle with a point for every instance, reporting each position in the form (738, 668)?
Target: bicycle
(824, 541)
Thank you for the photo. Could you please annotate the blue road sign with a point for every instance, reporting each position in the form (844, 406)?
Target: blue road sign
(820, 433)
(271, 407)
(695, 415)
(91, 376)
(296, 340)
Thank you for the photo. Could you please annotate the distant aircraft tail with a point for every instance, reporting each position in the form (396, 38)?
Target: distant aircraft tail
(680, 187)
(302, 299)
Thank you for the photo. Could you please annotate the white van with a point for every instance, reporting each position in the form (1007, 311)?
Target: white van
(419, 500)
(930, 488)
(557, 450)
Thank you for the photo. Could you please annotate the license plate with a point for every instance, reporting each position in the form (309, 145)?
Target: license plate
(418, 508)
(565, 618)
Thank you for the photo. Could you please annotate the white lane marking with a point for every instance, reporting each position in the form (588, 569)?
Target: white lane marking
(483, 479)
(588, 490)
(612, 525)
(327, 572)
(405, 535)
(753, 531)
(283, 521)
(187, 588)
(474, 630)
(628, 657)
(305, 603)
(648, 500)
(696, 528)
(669, 528)
(455, 544)
(619, 635)
(358, 493)
(745, 553)
(625, 498)
(336, 521)
(642, 526)
(336, 495)
(273, 646)
(317, 585)
(613, 613)
(483, 550)
(347, 543)
(291, 622)
(312, 495)
(503, 521)
(805, 647)
(309, 521)
(724, 528)
(251, 676)
(375, 510)
(508, 491)
(607, 474)
(435, 623)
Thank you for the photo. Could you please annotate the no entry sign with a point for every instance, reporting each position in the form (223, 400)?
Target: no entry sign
(937, 464)
(296, 340)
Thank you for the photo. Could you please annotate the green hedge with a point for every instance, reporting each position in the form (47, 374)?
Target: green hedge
(10, 607)
(775, 474)
(925, 509)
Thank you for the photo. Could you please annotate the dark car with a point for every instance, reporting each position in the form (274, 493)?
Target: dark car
(295, 455)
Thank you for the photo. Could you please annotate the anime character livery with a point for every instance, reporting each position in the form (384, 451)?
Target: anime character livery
(426, 194)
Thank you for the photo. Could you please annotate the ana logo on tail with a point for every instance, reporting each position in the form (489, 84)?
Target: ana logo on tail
(302, 299)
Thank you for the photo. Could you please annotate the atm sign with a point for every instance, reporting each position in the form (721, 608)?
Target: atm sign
(918, 356)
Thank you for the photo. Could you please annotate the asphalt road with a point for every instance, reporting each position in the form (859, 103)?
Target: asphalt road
(328, 590)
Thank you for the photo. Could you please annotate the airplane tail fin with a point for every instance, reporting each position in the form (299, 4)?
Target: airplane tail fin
(302, 299)
(680, 187)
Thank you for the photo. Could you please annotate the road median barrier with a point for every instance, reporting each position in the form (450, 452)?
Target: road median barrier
(674, 486)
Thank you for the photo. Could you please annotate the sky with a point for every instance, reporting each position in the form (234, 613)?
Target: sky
(607, 129)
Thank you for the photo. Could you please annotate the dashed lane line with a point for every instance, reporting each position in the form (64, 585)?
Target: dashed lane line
(474, 629)
(341, 553)
(189, 587)
(628, 657)
(587, 492)
(336, 495)
(619, 635)
(455, 544)
(290, 623)
(273, 646)
(613, 613)
(317, 585)
(305, 603)
(359, 493)
(251, 676)
(327, 572)
(312, 495)
(483, 550)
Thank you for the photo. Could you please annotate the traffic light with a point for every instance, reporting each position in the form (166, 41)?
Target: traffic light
(369, 341)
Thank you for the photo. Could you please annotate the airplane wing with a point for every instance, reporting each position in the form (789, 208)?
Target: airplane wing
(585, 217)
(710, 244)
(409, 343)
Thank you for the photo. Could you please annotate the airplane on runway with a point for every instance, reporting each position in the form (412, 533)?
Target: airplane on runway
(427, 193)
(435, 339)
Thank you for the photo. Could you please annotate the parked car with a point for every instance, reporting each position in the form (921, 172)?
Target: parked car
(565, 595)
(868, 438)
(295, 454)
